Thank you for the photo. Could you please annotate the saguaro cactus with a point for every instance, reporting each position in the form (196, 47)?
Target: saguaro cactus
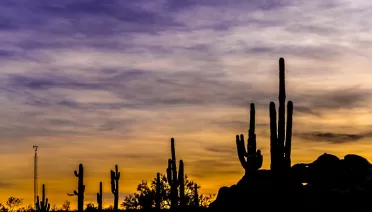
(175, 180)
(157, 192)
(43, 205)
(81, 187)
(281, 138)
(115, 176)
(254, 158)
(99, 197)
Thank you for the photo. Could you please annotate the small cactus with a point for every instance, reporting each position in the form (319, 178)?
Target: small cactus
(115, 176)
(157, 192)
(81, 187)
(254, 158)
(99, 197)
(43, 205)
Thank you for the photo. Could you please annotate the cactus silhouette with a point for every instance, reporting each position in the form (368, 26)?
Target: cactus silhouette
(174, 181)
(115, 176)
(99, 197)
(196, 196)
(81, 187)
(157, 192)
(281, 138)
(254, 158)
(43, 205)
(181, 182)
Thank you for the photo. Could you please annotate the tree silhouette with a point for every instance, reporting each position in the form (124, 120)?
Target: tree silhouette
(54, 208)
(144, 198)
(14, 202)
(3, 208)
(90, 207)
(66, 205)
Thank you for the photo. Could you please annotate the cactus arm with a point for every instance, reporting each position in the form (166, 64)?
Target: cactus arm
(251, 144)
(273, 136)
(181, 182)
(241, 150)
(288, 142)
(173, 150)
(169, 174)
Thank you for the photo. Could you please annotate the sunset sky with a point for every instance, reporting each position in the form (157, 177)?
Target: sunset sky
(110, 82)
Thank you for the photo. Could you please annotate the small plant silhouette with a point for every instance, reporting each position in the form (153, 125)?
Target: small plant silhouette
(66, 205)
(14, 202)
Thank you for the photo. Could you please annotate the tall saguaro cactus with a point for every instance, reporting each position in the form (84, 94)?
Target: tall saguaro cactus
(43, 205)
(175, 180)
(81, 187)
(254, 158)
(99, 197)
(115, 176)
(281, 138)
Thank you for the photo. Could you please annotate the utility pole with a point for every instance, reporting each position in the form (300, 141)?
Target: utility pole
(35, 176)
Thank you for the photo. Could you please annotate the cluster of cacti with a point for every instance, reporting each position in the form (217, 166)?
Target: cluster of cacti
(281, 137)
(99, 197)
(115, 176)
(175, 180)
(81, 187)
(254, 158)
(43, 205)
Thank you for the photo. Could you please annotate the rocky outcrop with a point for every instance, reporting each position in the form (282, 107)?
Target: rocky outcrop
(328, 183)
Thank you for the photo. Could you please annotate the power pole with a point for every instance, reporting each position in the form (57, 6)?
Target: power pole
(35, 176)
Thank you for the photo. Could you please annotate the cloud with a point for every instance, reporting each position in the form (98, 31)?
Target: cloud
(7, 185)
(333, 138)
